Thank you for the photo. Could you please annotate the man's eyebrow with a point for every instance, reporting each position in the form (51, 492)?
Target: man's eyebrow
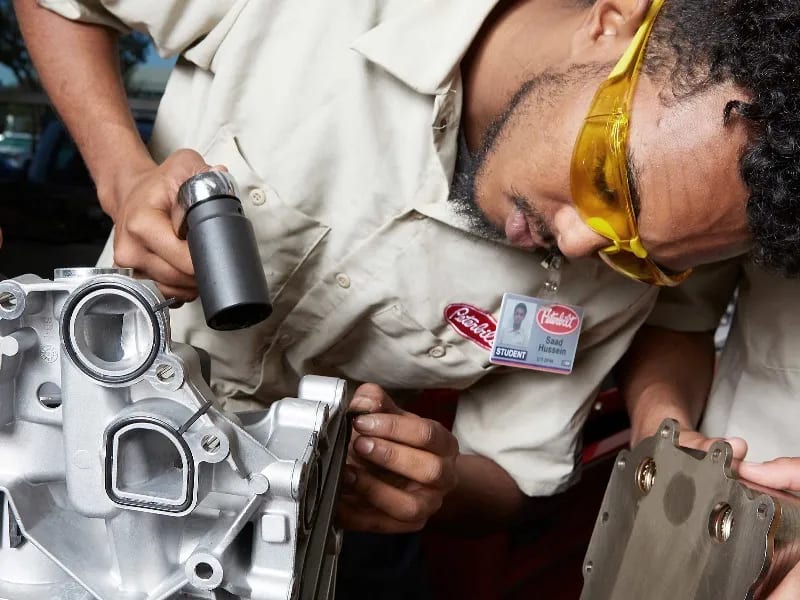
(633, 181)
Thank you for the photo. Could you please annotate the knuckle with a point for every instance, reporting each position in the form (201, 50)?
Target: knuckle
(388, 455)
(412, 511)
(126, 254)
(427, 432)
(434, 472)
(391, 425)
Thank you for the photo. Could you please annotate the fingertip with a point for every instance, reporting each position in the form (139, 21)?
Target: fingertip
(361, 403)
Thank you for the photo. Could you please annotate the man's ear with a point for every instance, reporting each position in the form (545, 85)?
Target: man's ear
(607, 29)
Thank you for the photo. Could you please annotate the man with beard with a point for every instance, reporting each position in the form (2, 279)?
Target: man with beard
(386, 255)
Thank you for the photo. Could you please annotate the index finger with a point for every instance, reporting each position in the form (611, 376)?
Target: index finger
(372, 398)
(409, 430)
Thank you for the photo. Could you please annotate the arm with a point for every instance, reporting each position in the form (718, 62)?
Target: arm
(485, 496)
(666, 374)
(79, 68)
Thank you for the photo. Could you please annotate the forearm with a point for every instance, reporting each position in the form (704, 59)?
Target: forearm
(486, 497)
(666, 374)
(78, 65)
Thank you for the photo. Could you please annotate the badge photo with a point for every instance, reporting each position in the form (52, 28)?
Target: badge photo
(537, 334)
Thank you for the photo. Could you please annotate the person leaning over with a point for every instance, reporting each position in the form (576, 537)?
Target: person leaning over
(405, 164)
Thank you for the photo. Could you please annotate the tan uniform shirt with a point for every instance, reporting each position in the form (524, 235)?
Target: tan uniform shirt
(340, 122)
(757, 382)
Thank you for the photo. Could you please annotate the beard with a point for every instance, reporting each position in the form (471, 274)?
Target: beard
(542, 89)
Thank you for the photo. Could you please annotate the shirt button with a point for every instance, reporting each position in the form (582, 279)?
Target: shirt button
(342, 280)
(437, 352)
(258, 196)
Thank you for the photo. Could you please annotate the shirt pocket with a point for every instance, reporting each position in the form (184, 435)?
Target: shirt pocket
(286, 237)
(392, 349)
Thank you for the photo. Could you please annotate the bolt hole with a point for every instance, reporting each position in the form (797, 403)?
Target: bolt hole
(8, 301)
(621, 463)
(604, 517)
(762, 511)
(715, 456)
(49, 395)
(165, 372)
(588, 567)
(204, 570)
(210, 443)
(666, 432)
(720, 524)
(646, 475)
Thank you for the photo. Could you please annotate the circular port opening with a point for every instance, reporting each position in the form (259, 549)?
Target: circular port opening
(8, 301)
(49, 395)
(720, 524)
(113, 334)
(646, 475)
(204, 570)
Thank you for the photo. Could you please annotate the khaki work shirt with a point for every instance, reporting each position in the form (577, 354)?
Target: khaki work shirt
(755, 390)
(340, 122)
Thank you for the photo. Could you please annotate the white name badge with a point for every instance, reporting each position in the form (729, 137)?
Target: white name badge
(537, 334)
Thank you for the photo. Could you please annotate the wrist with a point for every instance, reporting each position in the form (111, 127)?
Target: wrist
(647, 416)
(115, 181)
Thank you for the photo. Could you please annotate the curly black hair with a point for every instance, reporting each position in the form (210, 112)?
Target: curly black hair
(754, 44)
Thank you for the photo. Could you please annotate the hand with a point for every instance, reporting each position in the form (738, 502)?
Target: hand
(689, 438)
(694, 439)
(147, 216)
(778, 474)
(399, 467)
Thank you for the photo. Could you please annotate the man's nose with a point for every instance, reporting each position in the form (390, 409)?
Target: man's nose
(575, 238)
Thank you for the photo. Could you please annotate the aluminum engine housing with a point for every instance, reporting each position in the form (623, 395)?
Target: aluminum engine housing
(122, 477)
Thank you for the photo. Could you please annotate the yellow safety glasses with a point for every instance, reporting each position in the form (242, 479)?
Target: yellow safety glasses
(599, 171)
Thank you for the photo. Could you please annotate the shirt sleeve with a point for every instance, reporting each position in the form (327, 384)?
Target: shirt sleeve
(175, 26)
(529, 422)
(699, 302)
(86, 11)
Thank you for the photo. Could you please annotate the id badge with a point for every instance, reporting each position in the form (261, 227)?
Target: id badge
(538, 334)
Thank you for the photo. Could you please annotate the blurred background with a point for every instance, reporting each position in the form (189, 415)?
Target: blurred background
(48, 208)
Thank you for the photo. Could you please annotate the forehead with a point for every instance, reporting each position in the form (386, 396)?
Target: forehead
(692, 197)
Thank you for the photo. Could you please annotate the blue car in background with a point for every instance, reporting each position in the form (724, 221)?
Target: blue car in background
(49, 213)
(16, 151)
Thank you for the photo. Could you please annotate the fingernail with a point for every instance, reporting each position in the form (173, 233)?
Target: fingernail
(361, 403)
(365, 423)
(364, 445)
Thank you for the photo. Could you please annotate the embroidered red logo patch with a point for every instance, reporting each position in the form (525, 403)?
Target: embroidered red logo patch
(472, 323)
(557, 319)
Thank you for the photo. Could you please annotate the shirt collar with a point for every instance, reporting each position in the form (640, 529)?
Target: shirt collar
(423, 42)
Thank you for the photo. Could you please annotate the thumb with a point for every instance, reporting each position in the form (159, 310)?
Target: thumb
(778, 474)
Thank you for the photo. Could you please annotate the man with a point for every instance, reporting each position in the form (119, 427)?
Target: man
(516, 335)
(342, 120)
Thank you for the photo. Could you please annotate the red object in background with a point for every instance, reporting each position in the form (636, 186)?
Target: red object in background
(543, 555)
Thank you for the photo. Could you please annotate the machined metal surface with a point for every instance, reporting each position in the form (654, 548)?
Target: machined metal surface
(676, 523)
(205, 186)
(121, 476)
